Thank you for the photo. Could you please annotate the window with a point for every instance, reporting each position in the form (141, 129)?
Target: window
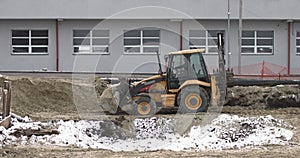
(298, 43)
(91, 41)
(141, 41)
(205, 39)
(257, 42)
(29, 41)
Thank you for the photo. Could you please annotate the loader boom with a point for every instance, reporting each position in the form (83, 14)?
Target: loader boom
(219, 79)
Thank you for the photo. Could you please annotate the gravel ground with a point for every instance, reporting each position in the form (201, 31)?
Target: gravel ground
(52, 99)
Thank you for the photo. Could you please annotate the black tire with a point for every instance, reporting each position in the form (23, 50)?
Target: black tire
(144, 107)
(193, 99)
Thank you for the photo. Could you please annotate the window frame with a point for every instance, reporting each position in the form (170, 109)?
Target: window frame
(256, 46)
(141, 46)
(90, 39)
(297, 46)
(206, 38)
(30, 45)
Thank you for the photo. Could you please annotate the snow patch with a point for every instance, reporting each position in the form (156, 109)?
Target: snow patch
(156, 133)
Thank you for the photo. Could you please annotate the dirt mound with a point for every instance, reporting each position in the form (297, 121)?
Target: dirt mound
(264, 97)
(61, 96)
(33, 95)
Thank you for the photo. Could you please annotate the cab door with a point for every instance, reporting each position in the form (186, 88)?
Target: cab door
(185, 67)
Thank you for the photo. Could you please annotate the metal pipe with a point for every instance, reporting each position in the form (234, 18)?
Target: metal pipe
(289, 47)
(228, 35)
(57, 42)
(240, 36)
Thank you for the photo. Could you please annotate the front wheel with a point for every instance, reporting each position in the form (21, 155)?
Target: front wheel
(144, 107)
(193, 99)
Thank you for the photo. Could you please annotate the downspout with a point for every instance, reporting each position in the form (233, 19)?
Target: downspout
(56, 42)
(289, 46)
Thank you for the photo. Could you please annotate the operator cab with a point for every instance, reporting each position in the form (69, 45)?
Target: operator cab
(186, 65)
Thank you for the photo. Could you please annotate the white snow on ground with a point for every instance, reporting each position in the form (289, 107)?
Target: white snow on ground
(224, 132)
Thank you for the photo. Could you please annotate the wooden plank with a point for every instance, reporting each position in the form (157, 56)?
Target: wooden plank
(7, 86)
(5, 122)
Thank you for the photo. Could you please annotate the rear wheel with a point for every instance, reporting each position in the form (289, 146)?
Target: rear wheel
(144, 107)
(193, 99)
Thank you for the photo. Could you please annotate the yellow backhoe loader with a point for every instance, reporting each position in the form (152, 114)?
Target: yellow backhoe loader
(185, 85)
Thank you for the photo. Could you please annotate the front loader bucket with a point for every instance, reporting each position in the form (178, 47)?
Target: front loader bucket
(109, 100)
(218, 89)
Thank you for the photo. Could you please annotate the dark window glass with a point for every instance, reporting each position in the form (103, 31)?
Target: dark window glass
(264, 34)
(264, 50)
(20, 49)
(20, 41)
(197, 33)
(81, 41)
(76, 49)
(248, 42)
(212, 42)
(39, 33)
(247, 50)
(214, 33)
(100, 41)
(100, 49)
(132, 33)
(100, 33)
(247, 33)
(212, 49)
(132, 49)
(81, 33)
(39, 49)
(150, 49)
(151, 41)
(194, 47)
(298, 50)
(20, 33)
(39, 41)
(197, 41)
(262, 42)
(298, 42)
(150, 33)
(132, 42)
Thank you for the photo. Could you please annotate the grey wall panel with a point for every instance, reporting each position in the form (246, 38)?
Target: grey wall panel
(295, 58)
(116, 61)
(8, 61)
(146, 9)
(280, 41)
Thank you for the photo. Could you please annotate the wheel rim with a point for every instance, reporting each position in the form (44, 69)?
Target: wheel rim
(193, 101)
(144, 108)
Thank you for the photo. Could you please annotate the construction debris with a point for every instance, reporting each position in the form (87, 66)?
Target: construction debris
(6, 100)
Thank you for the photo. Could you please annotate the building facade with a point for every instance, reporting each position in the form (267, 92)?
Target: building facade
(124, 35)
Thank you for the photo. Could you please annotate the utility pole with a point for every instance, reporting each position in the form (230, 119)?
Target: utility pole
(240, 36)
(228, 34)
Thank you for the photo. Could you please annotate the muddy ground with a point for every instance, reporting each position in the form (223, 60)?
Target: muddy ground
(45, 99)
